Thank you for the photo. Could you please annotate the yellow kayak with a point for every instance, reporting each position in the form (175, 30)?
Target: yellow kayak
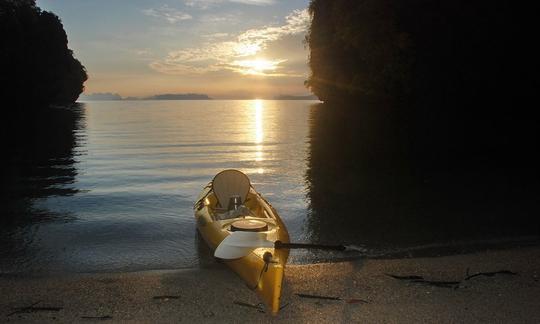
(230, 204)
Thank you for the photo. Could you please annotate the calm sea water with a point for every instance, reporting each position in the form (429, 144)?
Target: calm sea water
(115, 191)
(137, 168)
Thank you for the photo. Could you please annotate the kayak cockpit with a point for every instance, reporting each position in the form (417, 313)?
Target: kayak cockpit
(253, 206)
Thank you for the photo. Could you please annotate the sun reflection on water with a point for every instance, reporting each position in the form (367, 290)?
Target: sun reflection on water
(259, 132)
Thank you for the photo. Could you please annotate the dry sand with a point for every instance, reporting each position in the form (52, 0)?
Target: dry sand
(209, 294)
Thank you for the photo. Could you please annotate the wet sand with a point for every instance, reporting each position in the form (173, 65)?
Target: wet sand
(368, 294)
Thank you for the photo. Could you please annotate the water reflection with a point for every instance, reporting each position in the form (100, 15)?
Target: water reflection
(366, 189)
(259, 133)
(258, 106)
(40, 163)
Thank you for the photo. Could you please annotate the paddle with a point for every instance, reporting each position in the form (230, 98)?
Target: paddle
(240, 244)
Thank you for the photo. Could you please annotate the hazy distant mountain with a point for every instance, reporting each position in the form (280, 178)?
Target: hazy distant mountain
(167, 96)
(179, 96)
(100, 96)
(292, 97)
(184, 96)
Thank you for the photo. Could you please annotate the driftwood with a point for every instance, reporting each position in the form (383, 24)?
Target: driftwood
(259, 307)
(491, 274)
(101, 318)
(448, 284)
(442, 284)
(317, 297)
(33, 308)
(348, 301)
(165, 297)
(421, 280)
(405, 277)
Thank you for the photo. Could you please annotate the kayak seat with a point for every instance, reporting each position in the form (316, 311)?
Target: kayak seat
(230, 183)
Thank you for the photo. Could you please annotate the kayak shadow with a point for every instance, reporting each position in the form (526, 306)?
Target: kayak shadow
(205, 255)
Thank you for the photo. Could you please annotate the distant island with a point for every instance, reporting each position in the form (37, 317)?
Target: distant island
(179, 96)
(168, 96)
(187, 96)
(100, 96)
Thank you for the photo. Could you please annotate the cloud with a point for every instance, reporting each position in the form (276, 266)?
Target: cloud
(229, 19)
(165, 12)
(236, 54)
(205, 4)
(296, 22)
(202, 4)
(255, 2)
(257, 67)
(216, 35)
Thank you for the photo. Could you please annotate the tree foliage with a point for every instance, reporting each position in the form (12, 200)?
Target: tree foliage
(38, 68)
(426, 50)
(450, 74)
(356, 50)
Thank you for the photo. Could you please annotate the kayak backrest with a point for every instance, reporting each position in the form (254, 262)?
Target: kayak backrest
(230, 183)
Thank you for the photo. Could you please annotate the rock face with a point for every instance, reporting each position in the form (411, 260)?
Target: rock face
(430, 51)
(38, 68)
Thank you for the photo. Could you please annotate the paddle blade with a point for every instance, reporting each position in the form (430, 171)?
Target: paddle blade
(231, 252)
(240, 244)
(248, 239)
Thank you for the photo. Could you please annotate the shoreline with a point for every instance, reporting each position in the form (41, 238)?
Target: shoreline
(503, 286)
(321, 257)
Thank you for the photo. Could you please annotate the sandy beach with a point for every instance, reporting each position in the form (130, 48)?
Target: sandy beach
(499, 286)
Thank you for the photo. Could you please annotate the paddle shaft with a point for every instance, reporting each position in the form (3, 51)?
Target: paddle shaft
(281, 245)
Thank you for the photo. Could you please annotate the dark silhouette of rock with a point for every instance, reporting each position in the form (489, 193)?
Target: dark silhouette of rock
(439, 98)
(38, 68)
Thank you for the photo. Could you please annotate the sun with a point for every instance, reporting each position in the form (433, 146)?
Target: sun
(258, 66)
(262, 65)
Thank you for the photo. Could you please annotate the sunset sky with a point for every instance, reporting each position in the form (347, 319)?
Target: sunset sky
(223, 48)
